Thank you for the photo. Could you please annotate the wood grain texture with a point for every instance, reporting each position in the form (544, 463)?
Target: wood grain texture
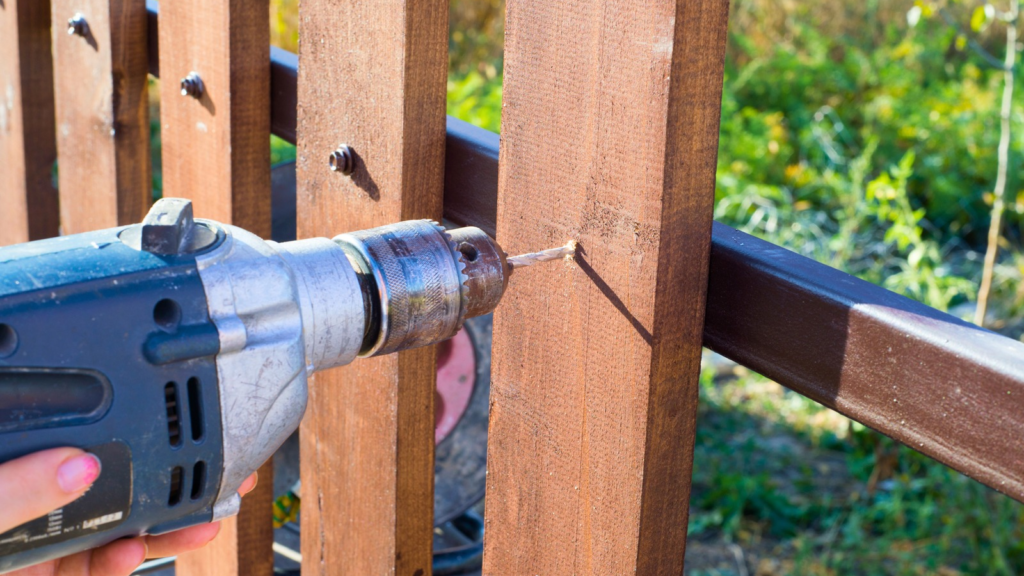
(244, 544)
(102, 114)
(609, 137)
(216, 152)
(372, 74)
(28, 146)
(216, 149)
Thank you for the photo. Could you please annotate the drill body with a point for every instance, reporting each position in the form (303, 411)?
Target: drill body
(178, 351)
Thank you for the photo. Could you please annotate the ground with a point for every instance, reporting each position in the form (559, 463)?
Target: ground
(785, 486)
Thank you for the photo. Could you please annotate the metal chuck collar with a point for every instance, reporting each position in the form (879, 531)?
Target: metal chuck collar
(421, 283)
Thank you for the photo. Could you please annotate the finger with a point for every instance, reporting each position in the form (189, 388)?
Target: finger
(73, 565)
(44, 569)
(34, 485)
(248, 485)
(180, 541)
(119, 558)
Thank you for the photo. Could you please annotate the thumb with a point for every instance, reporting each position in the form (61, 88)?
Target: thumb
(34, 485)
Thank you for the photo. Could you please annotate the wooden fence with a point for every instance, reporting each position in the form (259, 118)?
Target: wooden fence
(610, 135)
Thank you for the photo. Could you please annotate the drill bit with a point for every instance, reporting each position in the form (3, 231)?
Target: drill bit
(524, 260)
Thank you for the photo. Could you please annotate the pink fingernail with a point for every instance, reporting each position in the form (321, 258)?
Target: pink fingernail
(78, 473)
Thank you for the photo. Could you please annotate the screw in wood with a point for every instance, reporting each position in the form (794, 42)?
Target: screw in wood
(77, 26)
(192, 85)
(343, 160)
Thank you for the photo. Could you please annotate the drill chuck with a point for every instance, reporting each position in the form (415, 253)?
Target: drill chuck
(423, 282)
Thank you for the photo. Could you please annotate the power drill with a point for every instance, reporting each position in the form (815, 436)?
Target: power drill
(177, 350)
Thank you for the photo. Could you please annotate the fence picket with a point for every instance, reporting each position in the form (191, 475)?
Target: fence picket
(28, 148)
(216, 152)
(371, 75)
(216, 143)
(100, 74)
(609, 137)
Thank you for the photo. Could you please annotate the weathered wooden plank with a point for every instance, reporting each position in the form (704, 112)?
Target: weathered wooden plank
(244, 544)
(372, 75)
(100, 76)
(216, 151)
(216, 147)
(610, 137)
(28, 148)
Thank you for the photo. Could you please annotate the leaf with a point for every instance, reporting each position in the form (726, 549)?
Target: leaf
(961, 42)
(914, 259)
(979, 18)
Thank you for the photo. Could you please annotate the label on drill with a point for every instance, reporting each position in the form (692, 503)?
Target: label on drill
(105, 506)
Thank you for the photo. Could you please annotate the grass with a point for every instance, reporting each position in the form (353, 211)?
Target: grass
(787, 481)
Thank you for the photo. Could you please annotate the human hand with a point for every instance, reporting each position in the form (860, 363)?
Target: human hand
(36, 484)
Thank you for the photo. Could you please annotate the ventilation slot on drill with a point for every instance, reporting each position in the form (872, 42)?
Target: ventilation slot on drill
(176, 479)
(173, 414)
(195, 409)
(198, 479)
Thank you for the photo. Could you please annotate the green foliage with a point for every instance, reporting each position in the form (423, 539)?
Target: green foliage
(476, 39)
(155, 143)
(475, 53)
(280, 151)
(813, 130)
(921, 274)
(476, 99)
(736, 495)
(758, 473)
(284, 24)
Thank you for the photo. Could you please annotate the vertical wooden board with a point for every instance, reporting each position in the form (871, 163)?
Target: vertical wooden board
(372, 75)
(102, 113)
(244, 544)
(216, 148)
(253, 542)
(28, 200)
(216, 152)
(609, 137)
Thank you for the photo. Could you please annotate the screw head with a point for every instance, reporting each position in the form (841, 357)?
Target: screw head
(343, 160)
(77, 26)
(192, 85)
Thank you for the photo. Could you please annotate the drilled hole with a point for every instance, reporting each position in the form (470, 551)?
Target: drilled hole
(173, 414)
(8, 340)
(177, 477)
(167, 314)
(195, 409)
(198, 479)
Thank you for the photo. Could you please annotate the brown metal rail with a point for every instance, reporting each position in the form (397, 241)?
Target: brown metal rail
(940, 385)
(946, 388)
